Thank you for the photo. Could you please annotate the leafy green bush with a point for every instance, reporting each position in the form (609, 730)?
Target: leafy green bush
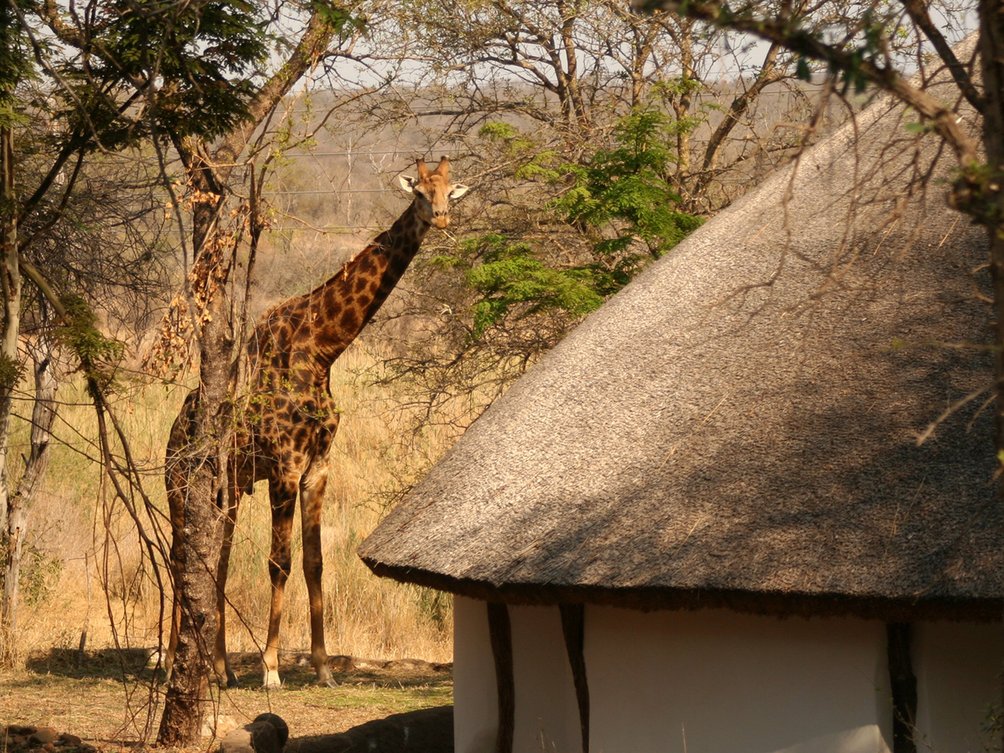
(506, 274)
(627, 188)
(620, 197)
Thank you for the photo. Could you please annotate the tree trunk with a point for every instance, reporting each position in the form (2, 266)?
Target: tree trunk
(43, 414)
(10, 282)
(197, 545)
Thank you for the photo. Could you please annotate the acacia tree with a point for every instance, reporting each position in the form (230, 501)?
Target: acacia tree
(542, 99)
(86, 115)
(12, 64)
(65, 230)
(195, 80)
(575, 67)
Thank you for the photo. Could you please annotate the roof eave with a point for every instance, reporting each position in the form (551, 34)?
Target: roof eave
(778, 604)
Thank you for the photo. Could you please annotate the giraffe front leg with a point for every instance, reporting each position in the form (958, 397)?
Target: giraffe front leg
(283, 498)
(312, 487)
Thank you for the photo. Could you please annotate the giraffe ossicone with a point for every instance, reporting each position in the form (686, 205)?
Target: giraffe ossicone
(292, 418)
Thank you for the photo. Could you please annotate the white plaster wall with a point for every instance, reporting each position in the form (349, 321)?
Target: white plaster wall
(715, 682)
(958, 669)
(718, 682)
(475, 711)
(546, 715)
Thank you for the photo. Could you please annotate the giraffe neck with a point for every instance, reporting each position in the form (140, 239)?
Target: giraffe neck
(341, 307)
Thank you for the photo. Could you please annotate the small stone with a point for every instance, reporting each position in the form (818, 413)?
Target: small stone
(218, 726)
(67, 739)
(237, 741)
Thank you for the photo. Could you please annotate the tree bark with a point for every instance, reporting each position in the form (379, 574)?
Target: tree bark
(198, 542)
(10, 282)
(43, 414)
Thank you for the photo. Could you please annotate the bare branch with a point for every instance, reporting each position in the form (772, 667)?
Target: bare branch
(783, 32)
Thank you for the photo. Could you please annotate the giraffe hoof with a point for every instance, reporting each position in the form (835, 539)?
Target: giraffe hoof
(271, 681)
(326, 682)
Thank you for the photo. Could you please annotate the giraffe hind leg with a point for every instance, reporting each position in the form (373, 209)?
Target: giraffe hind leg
(282, 495)
(312, 487)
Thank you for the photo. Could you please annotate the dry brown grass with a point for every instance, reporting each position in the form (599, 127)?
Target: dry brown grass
(88, 574)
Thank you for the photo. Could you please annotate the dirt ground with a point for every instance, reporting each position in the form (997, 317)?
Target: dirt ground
(109, 701)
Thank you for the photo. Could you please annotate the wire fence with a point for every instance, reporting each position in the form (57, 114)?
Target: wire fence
(339, 185)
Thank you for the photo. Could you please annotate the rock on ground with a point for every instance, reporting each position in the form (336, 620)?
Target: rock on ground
(26, 739)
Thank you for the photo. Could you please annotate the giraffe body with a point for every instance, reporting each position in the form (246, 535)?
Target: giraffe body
(292, 417)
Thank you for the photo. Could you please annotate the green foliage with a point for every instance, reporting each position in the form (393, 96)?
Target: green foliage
(627, 187)
(11, 372)
(79, 333)
(507, 276)
(535, 163)
(670, 88)
(198, 59)
(621, 197)
(334, 15)
(802, 70)
(975, 191)
(15, 63)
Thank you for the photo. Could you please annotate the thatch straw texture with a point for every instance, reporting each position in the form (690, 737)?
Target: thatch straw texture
(739, 427)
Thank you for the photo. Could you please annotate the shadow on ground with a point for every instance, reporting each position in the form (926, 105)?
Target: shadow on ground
(134, 664)
(108, 664)
(297, 672)
(424, 731)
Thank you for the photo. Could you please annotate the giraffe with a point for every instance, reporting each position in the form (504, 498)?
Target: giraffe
(293, 417)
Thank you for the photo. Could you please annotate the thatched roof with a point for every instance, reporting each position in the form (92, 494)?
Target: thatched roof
(739, 426)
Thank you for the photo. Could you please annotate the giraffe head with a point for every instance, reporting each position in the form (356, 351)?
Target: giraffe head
(433, 191)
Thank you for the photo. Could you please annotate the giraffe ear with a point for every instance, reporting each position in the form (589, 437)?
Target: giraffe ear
(458, 190)
(408, 183)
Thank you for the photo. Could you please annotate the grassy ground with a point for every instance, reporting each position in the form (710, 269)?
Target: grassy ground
(109, 699)
(85, 563)
(86, 574)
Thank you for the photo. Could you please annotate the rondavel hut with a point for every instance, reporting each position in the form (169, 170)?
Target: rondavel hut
(748, 505)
